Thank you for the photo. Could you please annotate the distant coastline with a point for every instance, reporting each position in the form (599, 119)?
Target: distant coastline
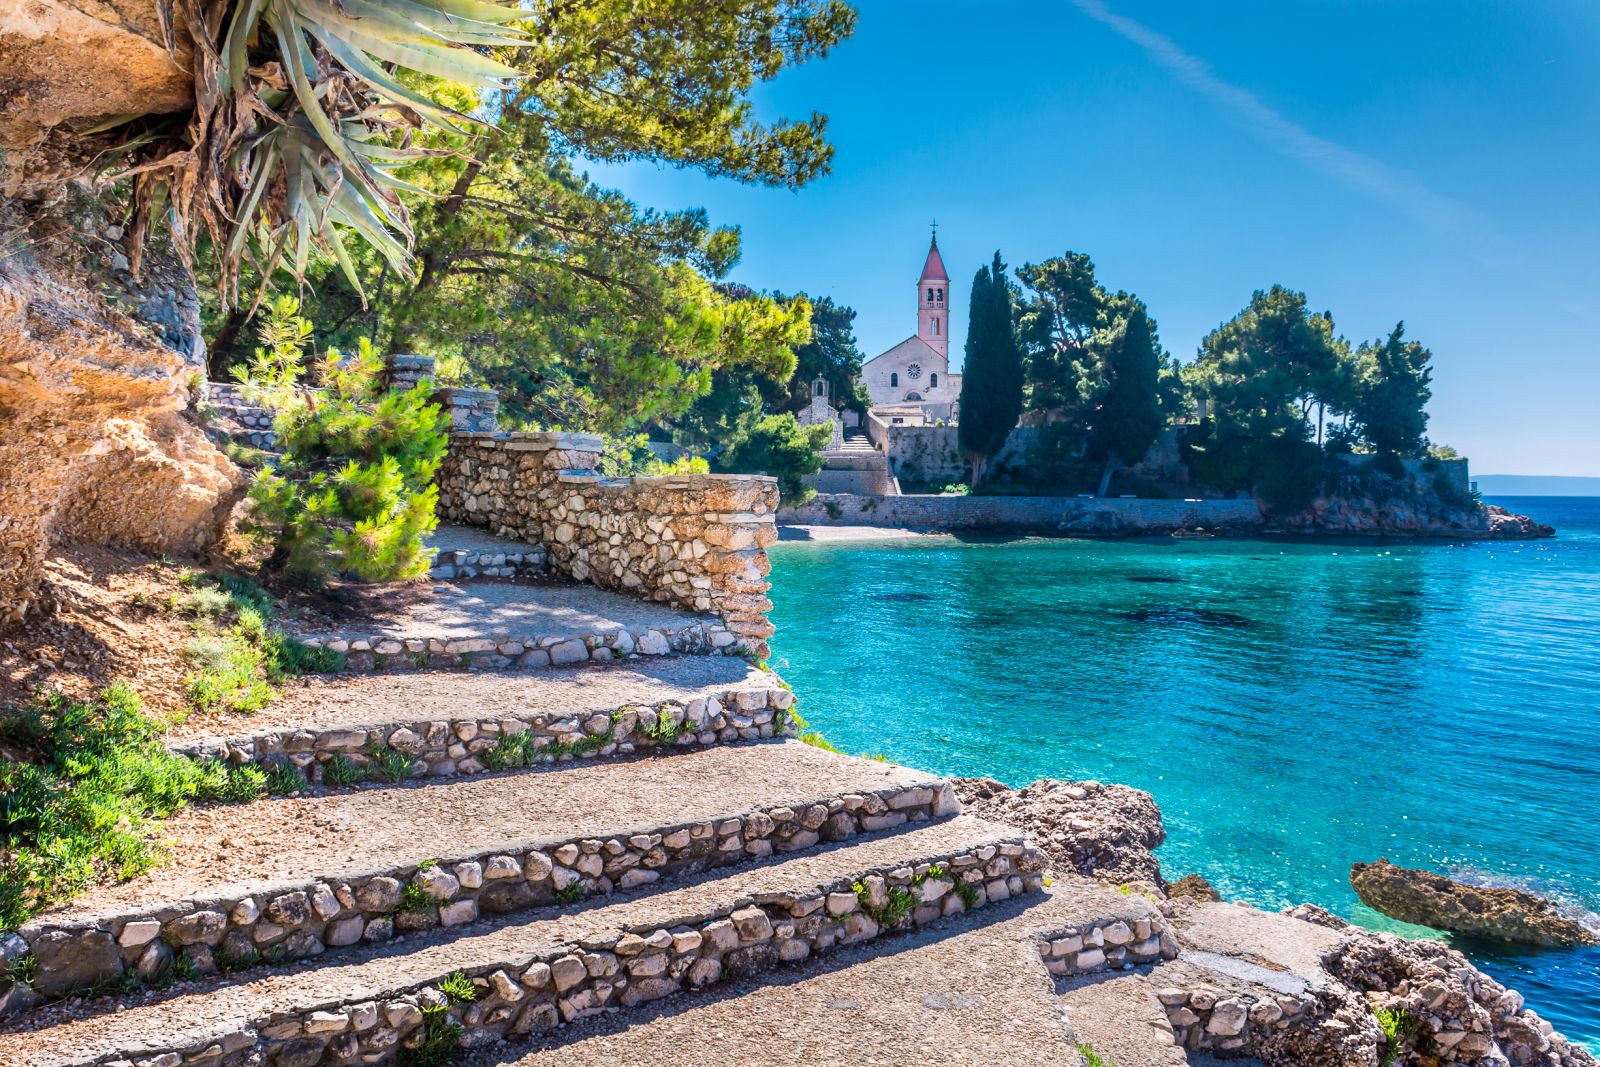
(1537, 485)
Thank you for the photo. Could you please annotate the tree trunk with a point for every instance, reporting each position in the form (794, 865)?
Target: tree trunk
(1105, 475)
(978, 463)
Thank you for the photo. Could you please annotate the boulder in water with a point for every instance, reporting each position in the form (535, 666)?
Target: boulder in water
(1500, 914)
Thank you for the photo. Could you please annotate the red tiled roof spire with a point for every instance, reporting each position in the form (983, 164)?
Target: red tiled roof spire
(933, 268)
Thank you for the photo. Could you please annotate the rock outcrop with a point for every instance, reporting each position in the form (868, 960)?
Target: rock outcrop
(68, 64)
(1455, 1013)
(95, 449)
(1106, 832)
(1500, 914)
(1510, 526)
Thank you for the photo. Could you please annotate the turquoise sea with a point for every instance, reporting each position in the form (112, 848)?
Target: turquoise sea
(1293, 707)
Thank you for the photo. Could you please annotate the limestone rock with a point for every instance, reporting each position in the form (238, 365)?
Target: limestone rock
(1501, 914)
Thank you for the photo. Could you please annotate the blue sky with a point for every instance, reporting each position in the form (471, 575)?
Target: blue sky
(1436, 161)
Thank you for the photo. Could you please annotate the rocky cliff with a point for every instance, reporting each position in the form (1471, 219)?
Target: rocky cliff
(94, 365)
(93, 445)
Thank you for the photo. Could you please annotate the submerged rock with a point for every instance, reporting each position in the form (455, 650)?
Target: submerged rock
(1176, 616)
(1500, 914)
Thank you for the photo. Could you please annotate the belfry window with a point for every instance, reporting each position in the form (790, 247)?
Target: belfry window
(930, 296)
(940, 297)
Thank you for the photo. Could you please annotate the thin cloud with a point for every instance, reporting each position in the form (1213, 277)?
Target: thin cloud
(1327, 157)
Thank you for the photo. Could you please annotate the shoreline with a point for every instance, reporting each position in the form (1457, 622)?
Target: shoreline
(820, 534)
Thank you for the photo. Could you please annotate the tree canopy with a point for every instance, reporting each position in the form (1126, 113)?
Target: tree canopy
(991, 373)
(585, 309)
(1130, 416)
(1392, 393)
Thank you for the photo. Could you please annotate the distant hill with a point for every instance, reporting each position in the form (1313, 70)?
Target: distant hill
(1536, 485)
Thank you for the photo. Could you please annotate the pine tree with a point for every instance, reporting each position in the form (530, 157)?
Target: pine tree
(353, 491)
(1130, 417)
(1391, 409)
(991, 373)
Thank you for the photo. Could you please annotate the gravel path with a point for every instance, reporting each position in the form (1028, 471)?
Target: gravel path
(1118, 1015)
(270, 844)
(450, 537)
(318, 703)
(509, 609)
(968, 990)
(202, 1012)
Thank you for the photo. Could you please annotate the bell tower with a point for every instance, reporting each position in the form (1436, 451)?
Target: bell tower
(933, 309)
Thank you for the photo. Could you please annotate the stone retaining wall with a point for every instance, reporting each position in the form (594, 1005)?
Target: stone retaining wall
(1224, 1022)
(533, 993)
(1112, 943)
(465, 746)
(301, 921)
(383, 651)
(694, 541)
(1066, 515)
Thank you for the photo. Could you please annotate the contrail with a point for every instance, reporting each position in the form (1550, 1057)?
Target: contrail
(1335, 160)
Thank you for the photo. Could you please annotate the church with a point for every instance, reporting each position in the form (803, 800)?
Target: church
(911, 383)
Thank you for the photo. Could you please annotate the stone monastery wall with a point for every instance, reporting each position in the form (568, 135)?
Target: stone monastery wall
(694, 541)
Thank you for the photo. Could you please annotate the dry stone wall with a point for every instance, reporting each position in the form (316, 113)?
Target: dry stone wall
(291, 922)
(694, 541)
(1108, 944)
(536, 992)
(446, 747)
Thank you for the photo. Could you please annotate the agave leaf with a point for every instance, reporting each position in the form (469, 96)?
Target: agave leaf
(235, 57)
(342, 256)
(451, 64)
(403, 20)
(385, 85)
(479, 10)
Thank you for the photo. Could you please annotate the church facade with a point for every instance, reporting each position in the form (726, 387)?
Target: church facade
(911, 383)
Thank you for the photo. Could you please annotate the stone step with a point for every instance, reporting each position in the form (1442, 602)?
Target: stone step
(294, 877)
(969, 989)
(465, 723)
(1243, 975)
(462, 552)
(1117, 1015)
(487, 624)
(531, 974)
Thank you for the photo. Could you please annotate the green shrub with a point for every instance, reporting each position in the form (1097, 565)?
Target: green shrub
(285, 778)
(84, 806)
(780, 446)
(236, 655)
(441, 1036)
(459, 988)
(1091, 1058)
(353, 492)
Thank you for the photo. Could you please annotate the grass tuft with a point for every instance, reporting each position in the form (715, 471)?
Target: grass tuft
(342, 771)
(237, 656)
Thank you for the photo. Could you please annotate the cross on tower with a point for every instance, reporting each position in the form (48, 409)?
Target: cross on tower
(935, 227)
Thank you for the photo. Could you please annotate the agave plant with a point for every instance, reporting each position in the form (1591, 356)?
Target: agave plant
(300, 122)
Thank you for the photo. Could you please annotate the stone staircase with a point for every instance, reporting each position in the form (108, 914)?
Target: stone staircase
(233, 418)
(665, 836)
(856, 466)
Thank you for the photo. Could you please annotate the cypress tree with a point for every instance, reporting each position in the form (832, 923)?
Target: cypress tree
(991, 374)
(1129, 419)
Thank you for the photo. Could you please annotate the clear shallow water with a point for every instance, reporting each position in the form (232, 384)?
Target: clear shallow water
(1294, 708)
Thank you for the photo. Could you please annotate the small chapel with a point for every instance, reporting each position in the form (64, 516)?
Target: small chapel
(911, 383)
